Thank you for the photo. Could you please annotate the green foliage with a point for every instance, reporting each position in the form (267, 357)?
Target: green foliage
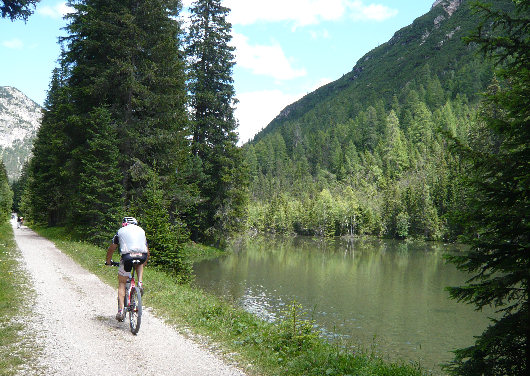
(415, 175)
(115, 111)
(100, 203)
(17, 9)
(378, 131)
(6, 194)
(223, 188)
(48, 180)
(165, 237)
(497, 206)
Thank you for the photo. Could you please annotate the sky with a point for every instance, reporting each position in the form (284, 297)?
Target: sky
(285, 49)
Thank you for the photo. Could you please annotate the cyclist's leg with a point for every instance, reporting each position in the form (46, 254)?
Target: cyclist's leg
(121, 290)
(122, 280)
(140, 272)
(140, 269)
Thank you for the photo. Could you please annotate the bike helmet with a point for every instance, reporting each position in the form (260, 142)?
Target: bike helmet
(129, 221)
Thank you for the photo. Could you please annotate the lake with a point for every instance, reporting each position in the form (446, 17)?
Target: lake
(386, 295)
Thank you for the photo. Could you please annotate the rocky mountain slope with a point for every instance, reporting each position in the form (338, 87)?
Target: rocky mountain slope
(432, 43)
(20, 118)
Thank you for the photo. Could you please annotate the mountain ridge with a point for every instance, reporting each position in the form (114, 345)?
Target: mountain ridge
(20, 118)
(434, 36)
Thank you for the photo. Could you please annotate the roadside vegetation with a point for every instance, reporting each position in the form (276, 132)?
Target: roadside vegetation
(16, 350)
(288, 347)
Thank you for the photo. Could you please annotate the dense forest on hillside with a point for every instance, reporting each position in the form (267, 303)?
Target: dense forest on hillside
(388, 171)
(370, 152)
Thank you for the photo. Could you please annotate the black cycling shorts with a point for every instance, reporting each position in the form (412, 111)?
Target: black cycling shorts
(128, 260)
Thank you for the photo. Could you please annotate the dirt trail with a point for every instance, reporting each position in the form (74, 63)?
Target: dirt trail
(73, 321)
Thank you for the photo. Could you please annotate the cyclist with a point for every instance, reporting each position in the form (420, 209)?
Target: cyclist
(133, 246)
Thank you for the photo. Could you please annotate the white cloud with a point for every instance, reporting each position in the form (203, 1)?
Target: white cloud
(372, 12)
(14, 43)
(264, 60)
(59, 10)
(257, 109)
(319, 34)
(321, 82)
(305, 12)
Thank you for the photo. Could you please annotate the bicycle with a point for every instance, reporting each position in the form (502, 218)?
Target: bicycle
(133, 299)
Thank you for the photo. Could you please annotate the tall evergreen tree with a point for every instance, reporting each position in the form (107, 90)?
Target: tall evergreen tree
(6, 195)
(213, 136)
(116, 109)
(48, 186)
(499, 203)
(100, 203)
(125, 55)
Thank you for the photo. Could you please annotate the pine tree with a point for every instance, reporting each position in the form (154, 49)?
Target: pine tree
(17, 9)
(164, 237)
(6, 195)
(100, 203)
(125, 56)
(48, 185)
(499, 202)
(213, 136)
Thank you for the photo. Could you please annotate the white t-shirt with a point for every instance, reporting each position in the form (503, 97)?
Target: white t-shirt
(131, 239)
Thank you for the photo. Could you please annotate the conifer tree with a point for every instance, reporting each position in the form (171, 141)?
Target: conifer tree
(17, 9)
(165, 237)
(213, 136)
(125, 56)
(100, 203)
(499, 202)
(6, 195)
(48, 186)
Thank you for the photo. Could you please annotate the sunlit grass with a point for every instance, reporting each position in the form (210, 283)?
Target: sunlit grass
(288, 347)
(16, 349)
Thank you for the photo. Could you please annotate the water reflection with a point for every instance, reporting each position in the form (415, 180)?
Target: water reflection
(356, 289)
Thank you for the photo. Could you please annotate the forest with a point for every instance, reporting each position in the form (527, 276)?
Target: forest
(139, 120)
(389, 171)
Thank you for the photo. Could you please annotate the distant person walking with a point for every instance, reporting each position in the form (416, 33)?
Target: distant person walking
(20, 221)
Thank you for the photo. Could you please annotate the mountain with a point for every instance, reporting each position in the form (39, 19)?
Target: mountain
(433, 43)
(20, 119)
(369, 152)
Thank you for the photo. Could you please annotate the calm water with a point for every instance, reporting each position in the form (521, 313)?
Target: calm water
(356, 290)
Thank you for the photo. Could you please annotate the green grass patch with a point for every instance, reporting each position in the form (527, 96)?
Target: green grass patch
(195, 252)
(288, 347)
(16, 349)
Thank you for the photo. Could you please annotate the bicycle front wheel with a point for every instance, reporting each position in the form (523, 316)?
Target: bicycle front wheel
(135, 310)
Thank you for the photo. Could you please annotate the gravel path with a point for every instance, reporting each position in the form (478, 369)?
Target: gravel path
(73, 321)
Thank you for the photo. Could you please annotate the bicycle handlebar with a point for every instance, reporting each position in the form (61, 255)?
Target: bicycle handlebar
(114, 263)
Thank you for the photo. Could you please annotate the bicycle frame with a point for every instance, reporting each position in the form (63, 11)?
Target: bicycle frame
(129, 286)
(132, 299)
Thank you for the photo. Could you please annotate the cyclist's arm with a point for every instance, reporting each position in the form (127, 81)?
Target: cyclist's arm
(110, 251)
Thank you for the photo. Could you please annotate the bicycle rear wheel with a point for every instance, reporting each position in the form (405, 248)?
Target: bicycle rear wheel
(135, 310)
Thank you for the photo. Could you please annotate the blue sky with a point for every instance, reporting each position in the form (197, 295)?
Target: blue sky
(284, 48)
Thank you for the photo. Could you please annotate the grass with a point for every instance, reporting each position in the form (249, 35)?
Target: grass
(196, 252)
(16, 349)
(288, 347)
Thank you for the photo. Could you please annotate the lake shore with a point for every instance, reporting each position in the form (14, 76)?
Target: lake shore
(288, 347)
